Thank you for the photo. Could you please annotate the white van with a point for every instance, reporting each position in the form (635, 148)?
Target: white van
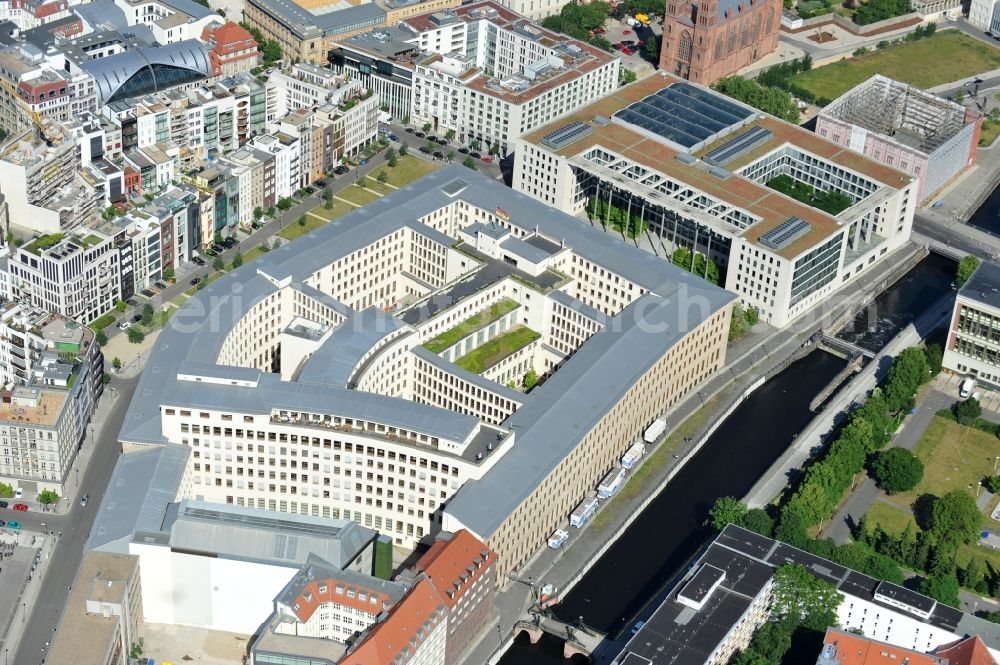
(965, 388)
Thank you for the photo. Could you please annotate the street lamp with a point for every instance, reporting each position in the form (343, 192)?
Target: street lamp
(995, 460)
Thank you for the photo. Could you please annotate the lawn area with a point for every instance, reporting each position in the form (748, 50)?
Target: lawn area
(408, 169)
(498, 348)
(470, 325)
(893, 520)
(954, 457)
(339, 208)
(359, 196)
(990, 132)
(947, 56)
(293, 229)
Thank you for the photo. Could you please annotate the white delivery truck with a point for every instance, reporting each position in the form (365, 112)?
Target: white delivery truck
(611, 483)
(965, 388)
(633, 455)
(583, 512)
(654, 431)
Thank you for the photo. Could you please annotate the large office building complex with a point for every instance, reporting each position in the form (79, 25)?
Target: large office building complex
(973, 344)
(929, 137)
(364, 372)
(693, 168)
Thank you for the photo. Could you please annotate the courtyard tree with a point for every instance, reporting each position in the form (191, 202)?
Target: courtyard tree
(966, 267)
(147, 314)
(758, 521)
(968, 410)
(726, 510)
(47, 497)
(116, 362)
(804, 599)
(102, 338)
(135, 336)
(955, 518)
(469, 163)
(382, 178)
(530, 379)
(6, 491)
(237, 260)
(897, 470)
(328, 199)
(218, 263)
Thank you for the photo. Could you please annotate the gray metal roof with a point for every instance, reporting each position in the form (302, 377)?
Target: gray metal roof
(189, 7)
(984, 285)
(525, 250)
(302, 21)
(317, 569)
(142, 485)
(102, 15)
(260, 535)
(114, 71)
(337, 359)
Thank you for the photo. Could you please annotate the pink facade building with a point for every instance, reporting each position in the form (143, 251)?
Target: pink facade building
(929, 137)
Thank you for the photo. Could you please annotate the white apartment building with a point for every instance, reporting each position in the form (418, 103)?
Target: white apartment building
(324, 384)
(981, 13)
(170, 20)
(382, 60)
(700, 181)
(493, 75)
(973, 344)
(286, 152)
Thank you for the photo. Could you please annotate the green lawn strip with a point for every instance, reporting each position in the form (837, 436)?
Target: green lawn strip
(954, 457)
(102, 322)
(945, 57)
(358, 196)
(408, 168)
(641, 481)
(373, 183)
(990, 132)
(498, 348)
(293, 229)
(470, 325)
(339, 208)
(892, 519)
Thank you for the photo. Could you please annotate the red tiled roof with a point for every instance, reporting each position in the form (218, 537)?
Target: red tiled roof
(857, 650)
(451, 565)
(310, 598)
(404, 630)
(967, 651)
(228, 38)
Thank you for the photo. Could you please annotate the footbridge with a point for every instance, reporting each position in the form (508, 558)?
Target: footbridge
(577, 638)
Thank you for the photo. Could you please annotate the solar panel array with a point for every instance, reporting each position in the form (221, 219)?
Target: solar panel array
(565, 135)
(683, 114)
(783, 234)
(740, 145)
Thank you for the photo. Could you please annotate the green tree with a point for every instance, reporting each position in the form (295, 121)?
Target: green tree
(135, 336)
(147, 314)
(652, 49)
(6, 491)
(116, 362)
(272, 52)
(328, 199)
(450, 134)
(934, 355)
(47, 497)
(804, 599)
(120, 305)
(237, 260)
(404, 149)
(470, 163)
(427, 126)
(966, 267)
(217, 238)
(135, 651)
(897, 470)
(791, 528)
(758, 521)
(968, 410)
(168, 274)
(530, 379)
(955, 518)
(993, 616)
(218, 263)
(258, 212)
(626, 76)
(451, 155)
(390, 154)
(770, 100)
(382, 178)
(102, 338)
(993, 484)
(908, 372)
(726, 510)
(943, 589)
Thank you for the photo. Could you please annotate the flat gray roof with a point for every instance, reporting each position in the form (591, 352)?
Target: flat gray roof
(984, 285)
(301, 20)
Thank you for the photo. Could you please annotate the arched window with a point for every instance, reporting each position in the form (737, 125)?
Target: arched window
(685, 47)
(731, 40)
(153, 78)
(755, 33)
(770, 21)
(745, 34)
(718, 48)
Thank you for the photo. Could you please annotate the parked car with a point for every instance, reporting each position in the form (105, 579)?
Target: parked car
(84, 499)
(3, 523)
(617, 46)
(442, 142)
(424, 149)
(137, 318)
(217, 249)
(409, 130)
(18, 493)
(310, 190)
(638, 626)
(628, 42)
(21, 507)
(627, 51)
(419, 135)
(160, 285)
(342, 169)
(124, 325)
(13, 525)
(393, 138)
(438, 155)
(363, 162)
(431, 137)
(195, 281)
(464, 150)
(135, 303)
(4, 504)
(197, 260)
(475, 155)
(626, 32)
(320, 183)
(487, 159)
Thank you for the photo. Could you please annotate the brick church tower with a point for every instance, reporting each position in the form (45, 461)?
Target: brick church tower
(707, 40)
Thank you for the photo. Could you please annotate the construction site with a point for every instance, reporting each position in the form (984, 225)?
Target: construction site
(929, 137)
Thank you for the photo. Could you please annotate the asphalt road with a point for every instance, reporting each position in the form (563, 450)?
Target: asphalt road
(42, 618)
(953, 236)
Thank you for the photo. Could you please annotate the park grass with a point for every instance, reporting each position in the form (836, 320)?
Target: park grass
(470, 325)
(942, 58)
(294, 230)
(954, 457)
(339, 208)
(892, 519)
(990, 132)
(492, 352)
(408, 168)
(359, 196)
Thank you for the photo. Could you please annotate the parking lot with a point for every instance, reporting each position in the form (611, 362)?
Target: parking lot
(637, 62)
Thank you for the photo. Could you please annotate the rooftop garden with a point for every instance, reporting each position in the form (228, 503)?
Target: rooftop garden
(470, 325)
(498, 348)
(42, 243)
(833, 203)
(90, 240)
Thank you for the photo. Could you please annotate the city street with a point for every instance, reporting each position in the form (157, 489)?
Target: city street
(38, 620)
